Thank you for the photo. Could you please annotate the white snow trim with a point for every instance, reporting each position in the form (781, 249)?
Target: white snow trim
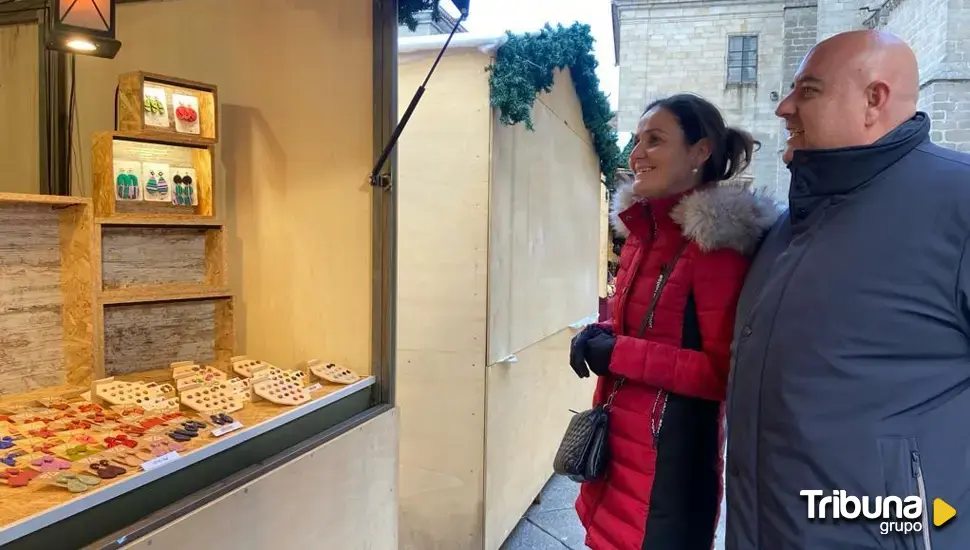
(485, 43)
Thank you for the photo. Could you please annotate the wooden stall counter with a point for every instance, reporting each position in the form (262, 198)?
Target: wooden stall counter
(43, 502)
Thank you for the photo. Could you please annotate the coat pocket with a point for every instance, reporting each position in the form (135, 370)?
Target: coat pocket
(903, 476)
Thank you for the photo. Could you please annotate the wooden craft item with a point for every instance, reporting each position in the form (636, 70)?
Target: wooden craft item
(247, 368)
(278, 388)
(188, 376)
(115, 392)
(242, 387)
(332, 372)
(219, 397)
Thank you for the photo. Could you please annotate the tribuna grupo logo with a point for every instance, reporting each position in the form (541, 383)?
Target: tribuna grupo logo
(894, 514)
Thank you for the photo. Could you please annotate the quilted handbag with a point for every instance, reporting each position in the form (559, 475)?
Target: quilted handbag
(583, 452)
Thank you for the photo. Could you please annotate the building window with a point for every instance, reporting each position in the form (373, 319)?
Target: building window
(742, 61)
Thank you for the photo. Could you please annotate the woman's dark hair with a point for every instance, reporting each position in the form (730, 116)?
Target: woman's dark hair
(731, 148)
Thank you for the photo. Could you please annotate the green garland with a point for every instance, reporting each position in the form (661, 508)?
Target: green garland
(625, 155)
(407, 8)
(523, 68)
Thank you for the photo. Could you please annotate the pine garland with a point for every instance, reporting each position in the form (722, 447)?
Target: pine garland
(625, 155)
(407, 8)
(523, 68)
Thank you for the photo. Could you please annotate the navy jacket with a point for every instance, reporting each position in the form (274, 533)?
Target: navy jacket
(851, 359)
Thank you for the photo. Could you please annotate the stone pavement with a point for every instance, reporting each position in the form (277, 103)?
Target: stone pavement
(551, 522)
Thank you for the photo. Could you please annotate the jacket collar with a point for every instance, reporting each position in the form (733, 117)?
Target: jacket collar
(825, 172)
(719, 217)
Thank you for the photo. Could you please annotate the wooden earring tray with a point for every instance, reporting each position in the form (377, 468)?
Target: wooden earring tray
(218, 396)
(331, 372)
(246, 367)
(280, 387)
(115, 392)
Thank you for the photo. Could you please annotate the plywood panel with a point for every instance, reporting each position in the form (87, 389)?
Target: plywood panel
(142, 337)
(31, 331)
(19, 109)
(343, 496)
(442, 301)
(528, 410)
(152, 255)
(545, 224)
(294, 151)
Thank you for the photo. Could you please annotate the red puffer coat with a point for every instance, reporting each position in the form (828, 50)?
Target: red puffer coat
(663, 485)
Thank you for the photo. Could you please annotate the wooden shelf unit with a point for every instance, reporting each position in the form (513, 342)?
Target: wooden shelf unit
(46, 302)
(131, 106)
(161, 287)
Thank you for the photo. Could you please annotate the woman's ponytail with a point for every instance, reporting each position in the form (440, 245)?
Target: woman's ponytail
(739, 147)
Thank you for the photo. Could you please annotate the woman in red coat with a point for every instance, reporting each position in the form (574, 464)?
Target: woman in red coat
(664, 356)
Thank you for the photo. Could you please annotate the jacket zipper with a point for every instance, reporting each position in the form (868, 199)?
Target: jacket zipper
(921, 487)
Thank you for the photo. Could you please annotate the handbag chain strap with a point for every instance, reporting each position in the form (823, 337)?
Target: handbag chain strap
(661, 281)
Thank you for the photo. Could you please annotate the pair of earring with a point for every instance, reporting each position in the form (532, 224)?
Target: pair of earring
(127, 185)
(183, 190)
(156, 186)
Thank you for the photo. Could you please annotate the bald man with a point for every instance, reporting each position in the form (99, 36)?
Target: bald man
(851, 360)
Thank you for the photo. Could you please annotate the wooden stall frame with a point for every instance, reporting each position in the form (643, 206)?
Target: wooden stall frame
(102, 168)
(131, 112)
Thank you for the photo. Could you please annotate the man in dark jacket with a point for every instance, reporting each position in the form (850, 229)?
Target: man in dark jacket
(851, 359)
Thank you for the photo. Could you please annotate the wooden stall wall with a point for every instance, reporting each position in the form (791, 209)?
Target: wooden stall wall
(295, 147)
(19, 109)
(359, 466)
(544, 248)
(442, 301)
(544, 236)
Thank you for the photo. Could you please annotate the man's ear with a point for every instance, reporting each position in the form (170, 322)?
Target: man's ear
(877, 98)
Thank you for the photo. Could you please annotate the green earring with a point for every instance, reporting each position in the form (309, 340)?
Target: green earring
(135, 188)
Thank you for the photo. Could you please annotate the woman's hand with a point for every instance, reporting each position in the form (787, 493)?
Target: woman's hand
(593, 346)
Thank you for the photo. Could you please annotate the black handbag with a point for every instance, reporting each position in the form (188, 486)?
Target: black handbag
(584, 452)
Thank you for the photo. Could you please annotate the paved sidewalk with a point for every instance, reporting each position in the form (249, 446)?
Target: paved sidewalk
(551, 522)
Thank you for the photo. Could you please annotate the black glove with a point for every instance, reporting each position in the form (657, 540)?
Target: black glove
(578, 349)
(599, 352)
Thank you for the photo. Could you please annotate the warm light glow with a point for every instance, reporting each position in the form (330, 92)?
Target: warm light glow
(87, 14)
(81, 45)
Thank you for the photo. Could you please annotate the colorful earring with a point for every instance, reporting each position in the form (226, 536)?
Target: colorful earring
(162, 184)
(121, 185)
(135, 188)
(152, 184)
(177, 192)
(187, 180)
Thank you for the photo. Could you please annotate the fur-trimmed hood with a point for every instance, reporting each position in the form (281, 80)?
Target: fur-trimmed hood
(718, 217)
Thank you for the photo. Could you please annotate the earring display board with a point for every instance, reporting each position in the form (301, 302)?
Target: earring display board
(161, 179)
(153, 105)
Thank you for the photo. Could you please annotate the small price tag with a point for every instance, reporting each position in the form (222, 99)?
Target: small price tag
(315, 387)
(160, 461)
(223, 430)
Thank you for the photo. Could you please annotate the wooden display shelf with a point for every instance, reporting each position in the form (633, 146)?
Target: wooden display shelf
(174, 292)
(132, 116)
(34, 507)
(141, 331)
(159, 220)
(174, 151)
(46, 303)
(153, 262)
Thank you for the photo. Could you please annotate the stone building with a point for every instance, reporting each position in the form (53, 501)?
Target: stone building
(441, 23)
(741, 54)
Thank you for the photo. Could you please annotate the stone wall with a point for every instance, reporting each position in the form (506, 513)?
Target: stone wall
(668, 46)
(681, 46)
(938, 32)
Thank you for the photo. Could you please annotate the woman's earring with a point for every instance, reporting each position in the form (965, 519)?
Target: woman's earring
(694, 171)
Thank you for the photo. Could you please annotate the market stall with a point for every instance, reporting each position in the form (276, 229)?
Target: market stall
(197, 334)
